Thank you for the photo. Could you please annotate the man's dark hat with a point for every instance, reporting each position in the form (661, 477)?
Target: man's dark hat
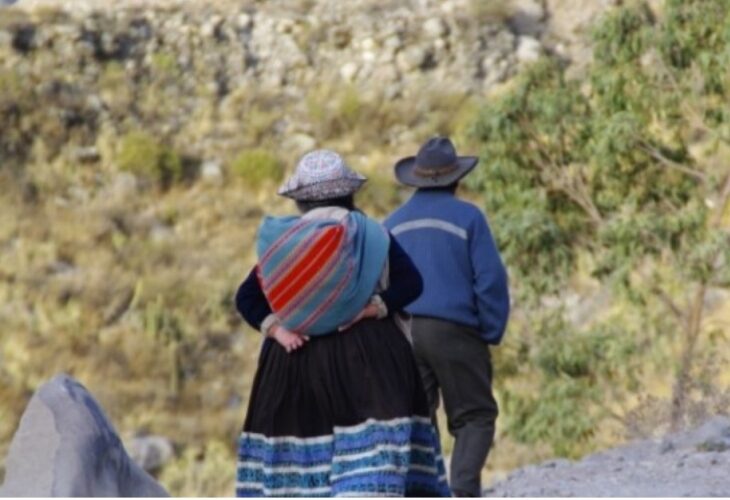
(435, 165)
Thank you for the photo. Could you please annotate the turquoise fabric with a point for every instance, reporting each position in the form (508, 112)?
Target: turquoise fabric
(343, 284)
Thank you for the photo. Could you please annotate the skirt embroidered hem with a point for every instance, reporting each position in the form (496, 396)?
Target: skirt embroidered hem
(398, 457)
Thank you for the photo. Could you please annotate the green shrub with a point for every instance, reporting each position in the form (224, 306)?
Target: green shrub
(488, 12)
(379, 195)
(141, 154)
(349, 108)
(257, 167)
(337, 111)
(165, 63)
(612, 173)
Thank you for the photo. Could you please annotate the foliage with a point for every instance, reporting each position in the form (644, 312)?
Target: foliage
(258, 167)
(141, 154)
(481, 12)
(610, 172)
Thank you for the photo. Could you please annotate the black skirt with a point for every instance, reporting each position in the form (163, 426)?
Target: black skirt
(344, 415)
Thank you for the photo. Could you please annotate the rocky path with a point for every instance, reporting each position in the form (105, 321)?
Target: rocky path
(691, 464)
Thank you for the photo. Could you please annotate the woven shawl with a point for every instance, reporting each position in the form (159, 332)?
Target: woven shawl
(318, 274)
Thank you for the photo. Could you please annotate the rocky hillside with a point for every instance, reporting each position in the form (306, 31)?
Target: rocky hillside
(208, 77)
(690, 464)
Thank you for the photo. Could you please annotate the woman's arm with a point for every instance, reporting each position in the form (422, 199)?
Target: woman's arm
(406, 283)
(251, 301)
(255, 309)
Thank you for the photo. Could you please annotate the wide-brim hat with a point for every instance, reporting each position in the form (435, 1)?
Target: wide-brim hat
(435, 165)
(321, 175)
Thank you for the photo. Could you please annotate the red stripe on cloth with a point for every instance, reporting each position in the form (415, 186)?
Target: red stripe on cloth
(317, 244)
(328, 301)
(316, 257)
(313, 265)
(305, 295)
(292, 260)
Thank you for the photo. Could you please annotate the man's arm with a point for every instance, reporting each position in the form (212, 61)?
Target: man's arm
(490, 282)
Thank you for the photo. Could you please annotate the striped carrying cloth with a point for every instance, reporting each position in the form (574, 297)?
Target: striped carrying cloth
(318, 274)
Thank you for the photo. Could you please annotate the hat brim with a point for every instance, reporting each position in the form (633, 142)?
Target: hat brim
(405, 173)
(324, 190)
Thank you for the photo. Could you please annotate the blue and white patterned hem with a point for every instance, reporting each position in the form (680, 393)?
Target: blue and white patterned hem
(384, 458)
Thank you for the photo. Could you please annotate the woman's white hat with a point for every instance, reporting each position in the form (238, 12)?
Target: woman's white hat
(321, 175)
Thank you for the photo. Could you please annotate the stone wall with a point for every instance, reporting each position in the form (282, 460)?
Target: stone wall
(94, 67)
(452, 43)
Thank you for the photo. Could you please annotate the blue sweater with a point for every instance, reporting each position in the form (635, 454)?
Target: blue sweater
(450, 243)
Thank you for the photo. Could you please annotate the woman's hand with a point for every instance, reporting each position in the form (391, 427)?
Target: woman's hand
(288, 340)
(369, 311)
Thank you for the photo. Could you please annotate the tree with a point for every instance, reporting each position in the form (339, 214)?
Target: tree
(625, 172)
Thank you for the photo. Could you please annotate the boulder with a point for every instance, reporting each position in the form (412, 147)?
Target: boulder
(151, 452)
(712, 436)
(66, 446)
(211, 172)
(435, 28)
(412, 58)
(528, 49)
(529, 18)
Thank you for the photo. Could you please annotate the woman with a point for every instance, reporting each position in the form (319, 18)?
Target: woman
(337, 407)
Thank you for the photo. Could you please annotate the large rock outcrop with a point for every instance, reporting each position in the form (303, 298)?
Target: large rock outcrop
(65, 446)
(690, 464)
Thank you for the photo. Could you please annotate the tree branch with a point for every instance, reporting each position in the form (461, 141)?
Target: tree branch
(657, 155)
(572, 186)
(671, 305)
(685, 103)
(722, 203)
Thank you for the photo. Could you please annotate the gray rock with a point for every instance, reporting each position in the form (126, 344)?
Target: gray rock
(528, 19)
(151, 452)
(244, 20)
(435, 28)
(66, 446)
(528, 49)
(393, 44)
(385, 74)
(211, 172)
(412, 58)
(123, 185)
(161, 233)
(89, 154)
(212, 27)
(691, 463)
(713, 435)
(348, 71)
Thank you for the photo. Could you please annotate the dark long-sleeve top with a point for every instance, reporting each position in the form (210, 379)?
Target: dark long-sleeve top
(406, 285)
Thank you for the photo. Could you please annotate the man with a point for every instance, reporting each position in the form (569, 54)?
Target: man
(464, 305)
